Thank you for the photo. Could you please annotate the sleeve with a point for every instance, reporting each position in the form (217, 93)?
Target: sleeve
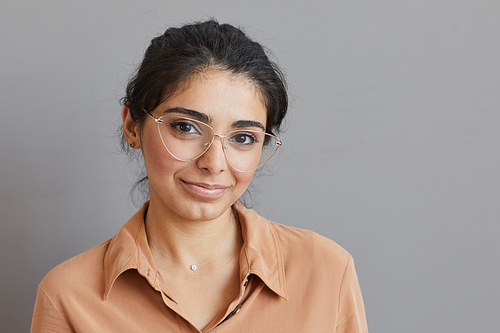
(351, 316)
(46, 315)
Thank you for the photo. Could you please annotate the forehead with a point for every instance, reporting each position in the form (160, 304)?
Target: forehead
(220, 95)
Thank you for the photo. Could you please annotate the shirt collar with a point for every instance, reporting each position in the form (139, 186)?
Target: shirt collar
(261, 253)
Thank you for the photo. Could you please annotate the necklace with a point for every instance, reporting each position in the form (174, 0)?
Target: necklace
(195, 266)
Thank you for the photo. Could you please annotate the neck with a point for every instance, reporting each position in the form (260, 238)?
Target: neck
(178, 242)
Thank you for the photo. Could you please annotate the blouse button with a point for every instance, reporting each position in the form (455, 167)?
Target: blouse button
(235, 311)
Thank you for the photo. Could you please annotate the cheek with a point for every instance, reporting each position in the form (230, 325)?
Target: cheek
(243, 178)
(156, 157)
(161, 163)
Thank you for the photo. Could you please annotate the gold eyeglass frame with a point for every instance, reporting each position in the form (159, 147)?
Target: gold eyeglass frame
(159, 121)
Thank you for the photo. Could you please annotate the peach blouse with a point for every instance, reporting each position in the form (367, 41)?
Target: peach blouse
(291, 280)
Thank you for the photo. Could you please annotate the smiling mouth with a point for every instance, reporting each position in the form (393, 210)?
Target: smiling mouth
(206, 190)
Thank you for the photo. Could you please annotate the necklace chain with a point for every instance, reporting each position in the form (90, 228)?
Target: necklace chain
(195, 266)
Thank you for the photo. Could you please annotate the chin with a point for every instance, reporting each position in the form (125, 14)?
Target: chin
(203, 211)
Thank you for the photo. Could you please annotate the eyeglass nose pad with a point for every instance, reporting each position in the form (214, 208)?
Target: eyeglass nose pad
(223, 138)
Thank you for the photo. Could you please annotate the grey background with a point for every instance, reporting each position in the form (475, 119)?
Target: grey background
(391, 148)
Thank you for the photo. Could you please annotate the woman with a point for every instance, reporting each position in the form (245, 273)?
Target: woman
(202, 108)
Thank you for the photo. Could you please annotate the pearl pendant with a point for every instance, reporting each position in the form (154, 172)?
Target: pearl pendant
(194, 267)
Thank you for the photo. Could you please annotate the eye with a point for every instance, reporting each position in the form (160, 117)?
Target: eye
(185, 127)
(243, 138)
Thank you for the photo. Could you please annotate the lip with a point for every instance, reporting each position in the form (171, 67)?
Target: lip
(205, 190)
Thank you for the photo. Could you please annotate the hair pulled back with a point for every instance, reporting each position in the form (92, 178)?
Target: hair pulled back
(179, 53)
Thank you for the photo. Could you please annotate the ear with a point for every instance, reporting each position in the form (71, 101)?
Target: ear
(130, 128)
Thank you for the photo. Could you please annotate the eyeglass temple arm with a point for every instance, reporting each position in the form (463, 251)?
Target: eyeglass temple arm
(152, 117)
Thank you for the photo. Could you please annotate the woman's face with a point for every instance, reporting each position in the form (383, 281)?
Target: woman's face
(203, 189)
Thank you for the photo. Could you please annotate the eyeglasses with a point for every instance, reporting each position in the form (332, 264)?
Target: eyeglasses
(187, 139)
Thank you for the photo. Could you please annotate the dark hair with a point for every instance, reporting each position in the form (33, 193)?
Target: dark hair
(180, 53)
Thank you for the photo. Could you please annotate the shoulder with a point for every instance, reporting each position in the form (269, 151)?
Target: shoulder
(300, 244)
(77, 273)
(298, 247)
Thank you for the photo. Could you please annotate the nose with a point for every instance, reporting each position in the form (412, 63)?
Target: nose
(214, 159)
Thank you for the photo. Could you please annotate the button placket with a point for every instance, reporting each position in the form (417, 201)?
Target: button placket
(235, 311)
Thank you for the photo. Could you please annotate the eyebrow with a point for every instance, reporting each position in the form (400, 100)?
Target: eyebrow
(192, 113)
(248, 123)
(205, 118)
